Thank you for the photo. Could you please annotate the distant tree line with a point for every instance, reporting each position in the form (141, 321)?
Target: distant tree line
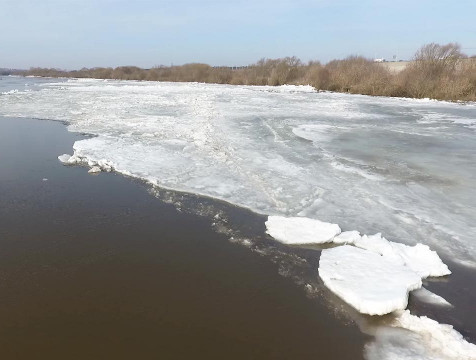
(437, 71)
(4, 72)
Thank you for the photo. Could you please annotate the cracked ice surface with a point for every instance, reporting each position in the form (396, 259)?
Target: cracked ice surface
(397, 166)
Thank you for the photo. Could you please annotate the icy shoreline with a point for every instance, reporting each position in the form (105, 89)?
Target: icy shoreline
(286, 152)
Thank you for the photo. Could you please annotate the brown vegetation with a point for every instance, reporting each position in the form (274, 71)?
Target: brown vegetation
(437, 71)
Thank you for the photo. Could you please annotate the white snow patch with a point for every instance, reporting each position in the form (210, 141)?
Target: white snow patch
(301, 230)
(367, 281)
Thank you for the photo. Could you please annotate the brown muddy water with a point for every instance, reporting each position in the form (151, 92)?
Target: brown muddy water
(95, 267)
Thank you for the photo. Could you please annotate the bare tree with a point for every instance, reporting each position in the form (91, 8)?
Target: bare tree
(435, 60)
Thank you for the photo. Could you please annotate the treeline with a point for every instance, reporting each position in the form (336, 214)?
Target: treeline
(5, 72)
(437, 71)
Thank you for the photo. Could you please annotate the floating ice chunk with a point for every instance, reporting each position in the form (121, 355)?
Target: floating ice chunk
(301, 230)
(419, 258)
(94, 170)
(430, 298)
(370, 283)
(347, 237)
(65, 158)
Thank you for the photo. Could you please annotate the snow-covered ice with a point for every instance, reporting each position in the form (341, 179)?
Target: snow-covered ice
(300, 230)
(419, 258)
(400, 166)
(360, 273)
(367, 281)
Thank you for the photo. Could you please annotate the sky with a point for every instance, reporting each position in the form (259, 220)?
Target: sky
(71, 34)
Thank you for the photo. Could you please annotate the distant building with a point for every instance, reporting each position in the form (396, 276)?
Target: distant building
(379, 60)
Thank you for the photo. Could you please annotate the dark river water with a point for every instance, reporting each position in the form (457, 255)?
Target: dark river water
(94, 267)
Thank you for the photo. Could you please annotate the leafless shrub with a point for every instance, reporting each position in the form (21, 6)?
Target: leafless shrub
(437, 71)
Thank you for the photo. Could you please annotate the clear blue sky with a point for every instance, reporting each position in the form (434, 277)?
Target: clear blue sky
(72, 34)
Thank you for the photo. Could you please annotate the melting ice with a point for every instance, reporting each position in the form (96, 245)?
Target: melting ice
(402, 167)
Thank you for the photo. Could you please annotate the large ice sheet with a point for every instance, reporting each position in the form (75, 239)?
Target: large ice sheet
(399, 166)
(299, 230)
(367, 281)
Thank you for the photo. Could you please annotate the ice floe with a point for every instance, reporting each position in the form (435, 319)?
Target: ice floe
(301, 230)
(365, 280)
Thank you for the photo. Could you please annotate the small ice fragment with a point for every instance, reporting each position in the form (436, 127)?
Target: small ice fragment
(367, 281)
(300, 230)
(94, 170)
(347, 237)
(430, 298)
(64, 158)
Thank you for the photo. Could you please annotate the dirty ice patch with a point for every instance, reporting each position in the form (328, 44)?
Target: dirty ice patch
(301, 230)
(367, 281)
